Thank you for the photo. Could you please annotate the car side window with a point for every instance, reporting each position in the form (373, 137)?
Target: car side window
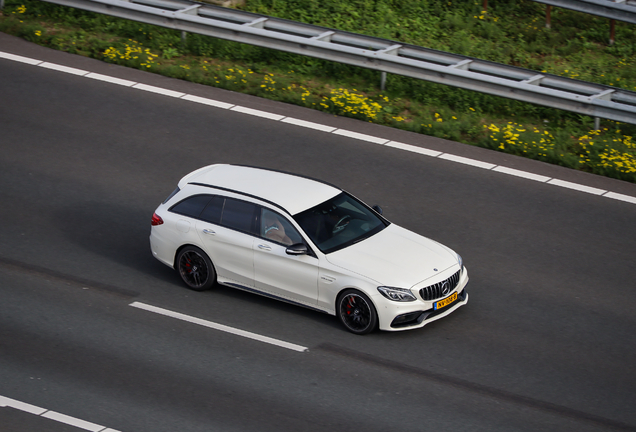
(277, 228)
(239, 215)
(191, 206)
(212, 212)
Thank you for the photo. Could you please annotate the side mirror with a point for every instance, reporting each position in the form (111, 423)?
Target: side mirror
(377, 209)
(297, 249)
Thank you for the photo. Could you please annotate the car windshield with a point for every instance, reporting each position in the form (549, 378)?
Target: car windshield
(339, 222)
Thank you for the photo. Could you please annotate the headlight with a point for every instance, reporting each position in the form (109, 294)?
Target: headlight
(397, 294)
(461, 261)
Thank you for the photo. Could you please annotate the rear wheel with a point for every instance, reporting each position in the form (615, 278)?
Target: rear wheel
(195, 268)
(356, 312)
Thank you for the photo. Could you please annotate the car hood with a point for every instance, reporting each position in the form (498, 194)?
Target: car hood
(395, 257)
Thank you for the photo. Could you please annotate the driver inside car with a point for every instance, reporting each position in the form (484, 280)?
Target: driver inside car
(273, 229)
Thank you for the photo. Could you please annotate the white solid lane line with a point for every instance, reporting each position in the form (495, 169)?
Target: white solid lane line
(219, 327)
(20, 59)
(110, 79)
(328, 129)
(621, 197)
(64, 69)
(576, 186)
(159, 90)
(307, 124)
(467, 161)
(206, 101)
(257, 113)
(524, 174)
(413, 149)
(52, 415)
(359, 136)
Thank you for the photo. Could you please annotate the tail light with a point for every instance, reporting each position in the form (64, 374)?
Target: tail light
(156, 220)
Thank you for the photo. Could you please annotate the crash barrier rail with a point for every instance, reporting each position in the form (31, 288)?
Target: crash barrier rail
(620, 10)
(596, 100)
(615, 10)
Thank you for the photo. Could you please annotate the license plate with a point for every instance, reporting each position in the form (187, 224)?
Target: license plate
(448, 300)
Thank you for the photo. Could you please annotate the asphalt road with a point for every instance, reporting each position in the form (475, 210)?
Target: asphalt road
(546, 343)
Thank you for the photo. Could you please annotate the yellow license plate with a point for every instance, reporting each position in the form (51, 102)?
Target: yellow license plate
(448, 300)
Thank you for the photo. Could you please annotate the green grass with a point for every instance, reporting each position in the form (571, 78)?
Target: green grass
(510, 32)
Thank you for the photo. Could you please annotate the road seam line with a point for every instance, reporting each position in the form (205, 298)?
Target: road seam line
(220, 327)
(325, 128)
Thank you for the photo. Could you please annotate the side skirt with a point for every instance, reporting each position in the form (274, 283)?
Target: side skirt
(272, 296)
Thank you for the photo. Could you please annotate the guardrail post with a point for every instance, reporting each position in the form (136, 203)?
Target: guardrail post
(190, 10)
(612, 29)
(1, 4)
(393, 50)
(548, 12)
(597, 123)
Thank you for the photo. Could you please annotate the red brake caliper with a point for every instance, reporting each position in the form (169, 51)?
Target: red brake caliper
(350, 305)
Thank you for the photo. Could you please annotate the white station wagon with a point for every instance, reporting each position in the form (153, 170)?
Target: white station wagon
(308, 243)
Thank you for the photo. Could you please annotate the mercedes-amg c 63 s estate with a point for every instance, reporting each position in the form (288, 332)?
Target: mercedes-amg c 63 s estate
(305, 242)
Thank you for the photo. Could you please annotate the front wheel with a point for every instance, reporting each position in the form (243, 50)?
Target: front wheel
(195, 268)
(356, 312)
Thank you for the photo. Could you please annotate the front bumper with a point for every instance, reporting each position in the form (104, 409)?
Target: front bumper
(421, 318)
(397, 316)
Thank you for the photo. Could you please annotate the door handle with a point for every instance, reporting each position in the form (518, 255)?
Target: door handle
(264, 247)
(208, 231)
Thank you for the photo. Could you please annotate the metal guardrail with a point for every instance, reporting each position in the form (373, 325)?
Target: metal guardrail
(596, 100)
(620, 10)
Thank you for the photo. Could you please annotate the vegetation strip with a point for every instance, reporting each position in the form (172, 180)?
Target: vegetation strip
(511, 33)
(343, 132)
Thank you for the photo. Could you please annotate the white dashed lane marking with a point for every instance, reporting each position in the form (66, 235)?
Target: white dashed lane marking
(220, 327)
(326, 128)
(52, 415)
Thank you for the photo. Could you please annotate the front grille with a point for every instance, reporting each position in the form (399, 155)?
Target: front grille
(436, 291)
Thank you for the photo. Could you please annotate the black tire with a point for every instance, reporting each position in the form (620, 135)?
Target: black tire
(195, 268)
(356, 312)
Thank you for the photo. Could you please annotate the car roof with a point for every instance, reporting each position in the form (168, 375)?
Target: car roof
(291, 192)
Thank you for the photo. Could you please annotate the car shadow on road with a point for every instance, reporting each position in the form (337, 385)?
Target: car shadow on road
(117, 233)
